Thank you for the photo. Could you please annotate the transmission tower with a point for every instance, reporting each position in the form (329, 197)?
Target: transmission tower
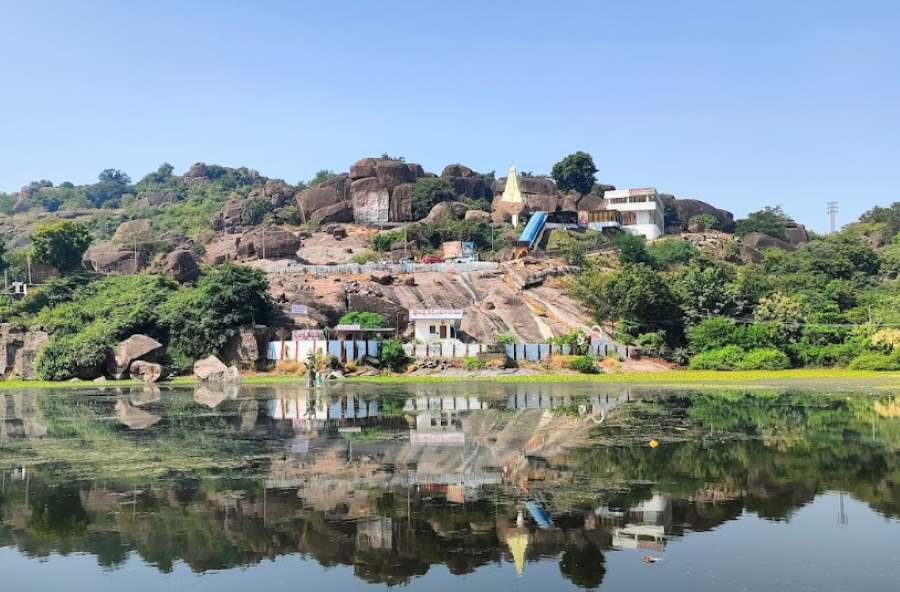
(832, 211)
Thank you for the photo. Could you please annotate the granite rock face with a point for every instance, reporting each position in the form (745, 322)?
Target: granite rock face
(136, 347)
(688, 208)
(754, 244)
(181, 265)
(18, 350)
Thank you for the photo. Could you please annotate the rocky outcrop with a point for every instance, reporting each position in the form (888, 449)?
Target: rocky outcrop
(228, 219)
(478, 215)
(754, 244)
(136, 347)
(466, 182)
(795, 233)
(268, 243)
(211, 369)
(325, 195)
(112, 258)
(454, 209)
(134, 233)
(156, 198)
(18, 350)
(338, 213)
(247, 348)
(221, 250)
(181, 265)
(276, 192)
(380, 190)
(146, 371)
(688, 208)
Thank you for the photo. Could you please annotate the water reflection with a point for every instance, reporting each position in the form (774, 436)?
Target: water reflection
(395, 481)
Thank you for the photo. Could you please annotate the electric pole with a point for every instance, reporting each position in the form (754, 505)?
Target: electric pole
(832, 211)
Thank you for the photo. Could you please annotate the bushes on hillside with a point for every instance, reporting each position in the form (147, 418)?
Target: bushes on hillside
(724, 358)
(79, 355)
(669, 252)
(363, 318)
(875, 361)
(765, 359)
(583, 364)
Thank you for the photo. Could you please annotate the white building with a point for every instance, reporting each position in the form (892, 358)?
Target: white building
(436, 324)
(639, 211)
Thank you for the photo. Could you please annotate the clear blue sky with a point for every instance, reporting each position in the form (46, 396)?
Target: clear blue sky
(742, 104)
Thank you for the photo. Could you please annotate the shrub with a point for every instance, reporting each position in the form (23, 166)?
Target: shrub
(709, 221)
(81, 355)
(506, 338)
(724, 358)
(583, 364)
(383, 242)
(875, 361)
(365, 257)
(392, 355)
(765, 359)
(672, 251)
(473, 363)
(363, 318)
(632, 249)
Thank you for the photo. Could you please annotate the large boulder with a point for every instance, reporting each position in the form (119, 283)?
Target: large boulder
(454, 209)
(221, 250)
(268, 243)
(795, 233)
(542, 202)
(18, 350)
(473, 187)
(569, 202)
(393, 173)
(228, 219)
(136, 347)
(134, 231)
(401, 203)
(111, 258)
(478, 215)
(326, 194)
(537, 185)
(362, 168)
(211, 369)
(338, 213)
(277, 192)
(156, 198)
(390, 310)
(247, 348)
(688, 208)
(181, 265)
(196, 171)
(371, 201)
(458, 170)
(754, 244)
(146, 371)
(415, 170)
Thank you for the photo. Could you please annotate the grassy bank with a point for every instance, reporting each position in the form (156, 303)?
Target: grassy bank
(662, 378)
(678, 377)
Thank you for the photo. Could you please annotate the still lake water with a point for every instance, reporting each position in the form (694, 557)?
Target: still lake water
(466, 487)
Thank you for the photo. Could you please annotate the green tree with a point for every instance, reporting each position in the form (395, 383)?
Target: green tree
(889, 217)
(200, 319)
(392, 355)
(708, 221)
(111, 185)
(321, 176)
(637, 297)
(767, 221)
(704, 288)
(632, 249)
(363, 318)
(669, 252)
(60, 244)
(427, 192)
(575, 172)
(254, 210)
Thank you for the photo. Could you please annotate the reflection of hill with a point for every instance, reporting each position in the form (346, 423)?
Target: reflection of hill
(432, 479)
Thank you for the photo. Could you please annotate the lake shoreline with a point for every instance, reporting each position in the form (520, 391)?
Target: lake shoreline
(673, 378)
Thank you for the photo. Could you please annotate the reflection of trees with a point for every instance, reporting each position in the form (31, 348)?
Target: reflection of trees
(190, 489)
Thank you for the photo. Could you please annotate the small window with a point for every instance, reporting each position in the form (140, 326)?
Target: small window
(432, 329)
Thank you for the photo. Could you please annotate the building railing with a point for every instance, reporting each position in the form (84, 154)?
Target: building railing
(363, 268)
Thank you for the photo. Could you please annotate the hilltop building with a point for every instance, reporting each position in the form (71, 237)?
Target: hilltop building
(434, 325)
(638, 211)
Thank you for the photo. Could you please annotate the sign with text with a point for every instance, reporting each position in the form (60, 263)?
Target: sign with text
(307, 335)
(298, 309)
